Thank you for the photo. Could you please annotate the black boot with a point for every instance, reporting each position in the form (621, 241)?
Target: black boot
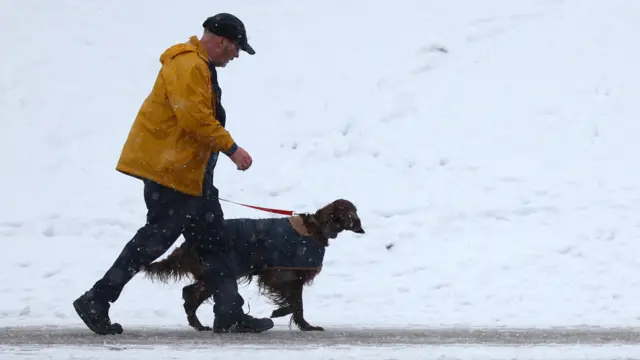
(245, 324)
(95, 314)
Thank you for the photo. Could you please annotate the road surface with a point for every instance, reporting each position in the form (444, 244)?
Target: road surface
(283, 337)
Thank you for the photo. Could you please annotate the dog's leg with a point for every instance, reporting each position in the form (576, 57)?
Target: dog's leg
(194, 295)
(271, 282)
(284, 288)
(295, 299)
(292, 292)
(283, 311)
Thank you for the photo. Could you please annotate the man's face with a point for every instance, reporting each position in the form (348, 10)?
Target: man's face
(226, 50)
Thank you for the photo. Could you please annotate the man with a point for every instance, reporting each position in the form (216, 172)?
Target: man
(173, 148)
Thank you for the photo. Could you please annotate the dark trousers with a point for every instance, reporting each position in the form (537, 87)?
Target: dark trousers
(200, 220)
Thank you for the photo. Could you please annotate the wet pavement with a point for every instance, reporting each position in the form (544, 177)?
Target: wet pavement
(284, 337)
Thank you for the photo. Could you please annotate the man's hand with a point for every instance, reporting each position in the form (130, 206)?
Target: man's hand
(242, 159)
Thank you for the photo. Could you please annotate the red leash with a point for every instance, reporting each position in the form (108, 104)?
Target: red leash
(275, 211)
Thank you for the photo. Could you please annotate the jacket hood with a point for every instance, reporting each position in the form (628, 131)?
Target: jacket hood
(193, 45)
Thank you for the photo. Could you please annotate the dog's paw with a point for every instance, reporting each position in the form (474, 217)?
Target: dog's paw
(284, 311)
(313, 328)
(205, 328)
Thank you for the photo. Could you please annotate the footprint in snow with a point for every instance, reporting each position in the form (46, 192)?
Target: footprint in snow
(434, 54)
(9, 228)
(51, 273)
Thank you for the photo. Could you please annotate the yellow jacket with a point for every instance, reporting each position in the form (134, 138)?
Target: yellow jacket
(176, 129)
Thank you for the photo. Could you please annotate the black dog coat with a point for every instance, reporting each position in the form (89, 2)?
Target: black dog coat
(272, 243)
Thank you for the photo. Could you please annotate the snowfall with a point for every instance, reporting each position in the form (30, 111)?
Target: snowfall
(490, 142)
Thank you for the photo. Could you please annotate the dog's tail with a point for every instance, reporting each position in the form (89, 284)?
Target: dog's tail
(182, 262)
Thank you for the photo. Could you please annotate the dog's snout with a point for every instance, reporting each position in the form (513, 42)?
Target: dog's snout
(357, 228)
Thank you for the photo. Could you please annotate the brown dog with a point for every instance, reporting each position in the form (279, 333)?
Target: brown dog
(284, 253)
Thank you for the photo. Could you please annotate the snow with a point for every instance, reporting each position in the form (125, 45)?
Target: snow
(457, 352)
(503, 168)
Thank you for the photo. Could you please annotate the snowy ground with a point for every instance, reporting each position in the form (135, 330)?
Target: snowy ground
(462, 352)
(503, 168)
(350, 343)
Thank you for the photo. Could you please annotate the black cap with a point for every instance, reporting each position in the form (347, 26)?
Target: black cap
(230, 27)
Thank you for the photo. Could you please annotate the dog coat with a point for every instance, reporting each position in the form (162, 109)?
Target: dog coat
(272, 243)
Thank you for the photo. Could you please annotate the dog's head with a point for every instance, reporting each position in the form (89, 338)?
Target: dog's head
(338, 216)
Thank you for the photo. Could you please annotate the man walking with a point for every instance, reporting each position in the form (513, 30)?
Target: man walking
(173, 148)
